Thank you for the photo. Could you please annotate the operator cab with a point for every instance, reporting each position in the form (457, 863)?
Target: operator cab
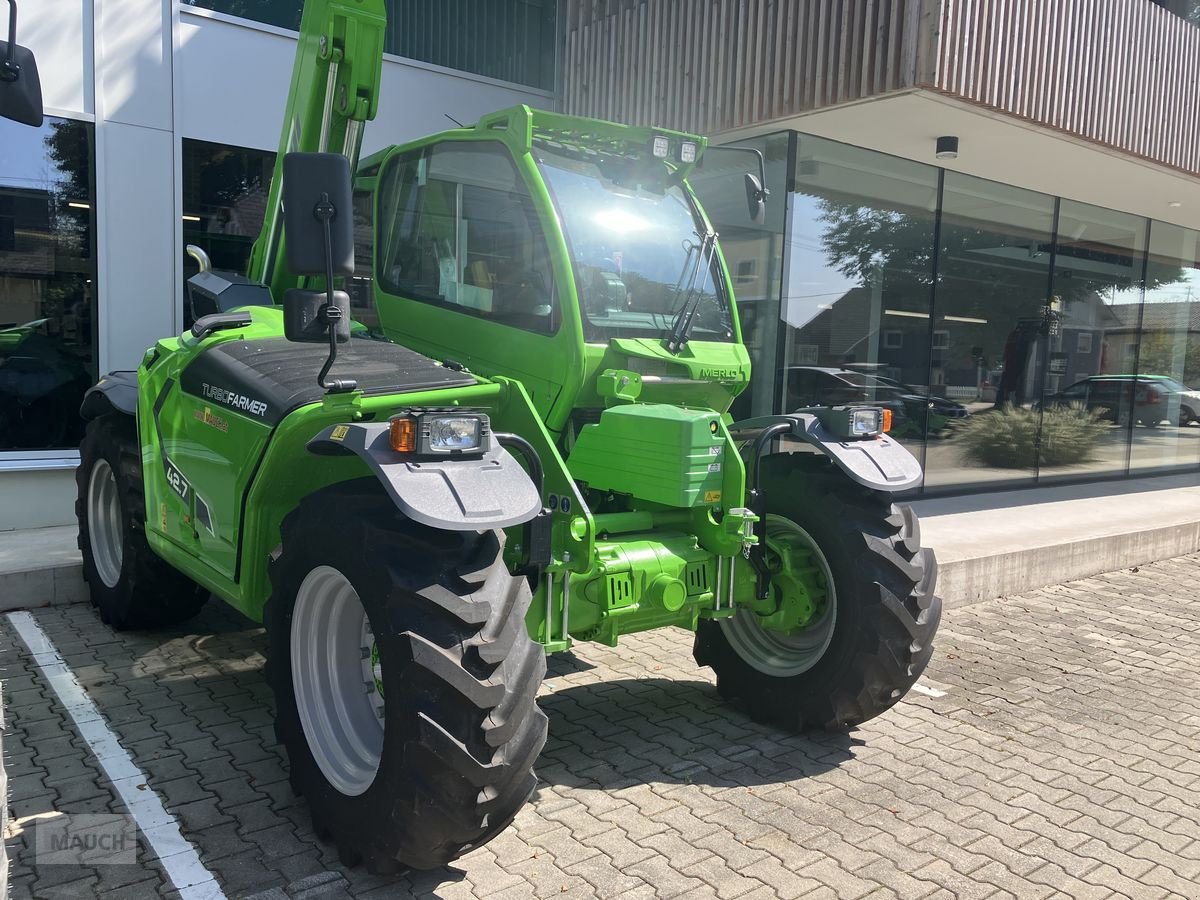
(525, 248)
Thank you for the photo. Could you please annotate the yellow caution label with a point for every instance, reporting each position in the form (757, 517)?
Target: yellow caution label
(339, 433)
(712, 496)
(162, 514)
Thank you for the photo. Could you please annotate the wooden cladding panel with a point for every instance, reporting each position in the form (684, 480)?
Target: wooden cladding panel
(1124, 73)
(712, 65)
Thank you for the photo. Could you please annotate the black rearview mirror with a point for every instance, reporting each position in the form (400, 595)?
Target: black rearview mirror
(316, 192)
(20, 87)
(305, 320)
(756, 198)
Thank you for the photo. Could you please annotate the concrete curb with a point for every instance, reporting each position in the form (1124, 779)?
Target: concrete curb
(963, 582)
(49, 586)
(40, 567)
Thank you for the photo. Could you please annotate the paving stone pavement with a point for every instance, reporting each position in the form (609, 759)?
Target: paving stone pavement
(1062, 760)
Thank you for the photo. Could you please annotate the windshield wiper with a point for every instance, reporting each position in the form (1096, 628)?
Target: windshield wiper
(700, 257)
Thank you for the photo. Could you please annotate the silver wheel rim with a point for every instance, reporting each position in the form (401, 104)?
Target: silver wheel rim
(336, 678)
(774, 652)
(105, 535)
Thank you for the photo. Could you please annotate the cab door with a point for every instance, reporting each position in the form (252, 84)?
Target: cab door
(463, 267)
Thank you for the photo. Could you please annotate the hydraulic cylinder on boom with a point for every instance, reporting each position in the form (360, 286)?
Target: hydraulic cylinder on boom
(334, 93)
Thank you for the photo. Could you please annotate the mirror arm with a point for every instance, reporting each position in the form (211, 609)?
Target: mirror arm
(325, 211)
(9, 70)
(762, 165)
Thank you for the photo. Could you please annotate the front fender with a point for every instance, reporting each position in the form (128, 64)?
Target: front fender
(879, 463)
(451, 494)
(115, 392)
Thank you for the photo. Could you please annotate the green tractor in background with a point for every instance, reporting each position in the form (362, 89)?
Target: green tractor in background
(534, 451)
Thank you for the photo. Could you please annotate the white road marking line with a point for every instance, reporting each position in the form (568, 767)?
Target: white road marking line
(927, 691)
(159, 828)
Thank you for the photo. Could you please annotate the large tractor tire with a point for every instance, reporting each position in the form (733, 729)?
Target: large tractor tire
(405, 680)
(870, 633)
(130, 586)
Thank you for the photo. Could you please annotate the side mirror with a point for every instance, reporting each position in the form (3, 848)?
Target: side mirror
(20, 87)
(306, 321)
(756, 198)
(317, 201)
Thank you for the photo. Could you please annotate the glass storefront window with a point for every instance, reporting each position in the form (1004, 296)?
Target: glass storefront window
(990, 316)
(1017, 338)
(754, 253)
(47, 283)
(511, 40)
(1169, 352)
(1092, 341)
(225, 191)
(856, 298)
(224, 200)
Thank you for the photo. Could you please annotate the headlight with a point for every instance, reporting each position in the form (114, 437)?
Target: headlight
(450, 433)
(440, 432)
(865, 422)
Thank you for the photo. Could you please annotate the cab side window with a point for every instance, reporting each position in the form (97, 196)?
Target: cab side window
(461, 232)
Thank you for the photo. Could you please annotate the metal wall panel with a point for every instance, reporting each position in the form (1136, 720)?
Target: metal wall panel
(1123, 73)
(712, 65)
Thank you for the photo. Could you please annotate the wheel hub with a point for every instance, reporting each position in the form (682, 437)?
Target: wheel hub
(337, 678)
(372, 669)
(788, 632)
(797, 591)
(105, 535)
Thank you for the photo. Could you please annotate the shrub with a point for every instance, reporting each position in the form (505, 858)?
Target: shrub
(1008, 438)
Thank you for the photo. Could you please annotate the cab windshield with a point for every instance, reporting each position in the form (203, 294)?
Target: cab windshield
(634, 237)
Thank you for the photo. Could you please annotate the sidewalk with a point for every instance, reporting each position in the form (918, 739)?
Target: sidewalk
(988, 545)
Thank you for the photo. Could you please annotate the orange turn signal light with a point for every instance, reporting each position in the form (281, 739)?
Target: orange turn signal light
(887, 421)
(402, 434)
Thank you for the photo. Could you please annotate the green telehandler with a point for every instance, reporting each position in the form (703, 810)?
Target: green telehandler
(532, 448)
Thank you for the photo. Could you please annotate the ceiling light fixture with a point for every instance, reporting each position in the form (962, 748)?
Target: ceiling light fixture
(905, 313)
(1174, 204)
(947, 147)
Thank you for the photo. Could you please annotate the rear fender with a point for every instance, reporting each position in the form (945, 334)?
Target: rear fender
(878, 463)
(451, 494)
(115, 392)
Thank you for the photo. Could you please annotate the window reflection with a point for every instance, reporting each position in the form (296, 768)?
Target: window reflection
(511, 40)
(1169, 350)
(991, 316)
(1016, 337)
(753, 252)
(224, 200)
(1092, 341)
(858, 287)
(47, 283)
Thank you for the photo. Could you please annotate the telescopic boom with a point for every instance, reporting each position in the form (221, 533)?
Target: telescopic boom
(334, 93)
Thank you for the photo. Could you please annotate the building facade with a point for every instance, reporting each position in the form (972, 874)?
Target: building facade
(162, 122)
(985, 216)
(1044, 259)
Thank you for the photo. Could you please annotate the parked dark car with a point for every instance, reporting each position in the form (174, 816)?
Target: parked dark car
(822, 386)
(1146, 399)
(941, 410)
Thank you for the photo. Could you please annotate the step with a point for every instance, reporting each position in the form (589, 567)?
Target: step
(1009, 542)
(40, 567)
(988, 545)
